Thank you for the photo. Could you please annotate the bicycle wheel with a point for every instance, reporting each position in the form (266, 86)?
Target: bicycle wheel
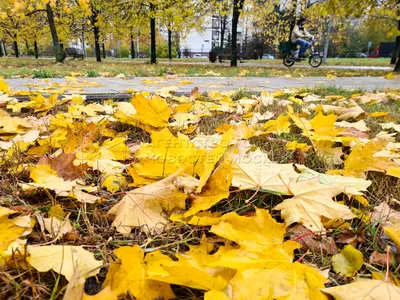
(315, 60)
(288, 60)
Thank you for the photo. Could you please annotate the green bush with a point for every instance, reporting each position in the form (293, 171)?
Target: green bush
(162, 51)
(124, 51)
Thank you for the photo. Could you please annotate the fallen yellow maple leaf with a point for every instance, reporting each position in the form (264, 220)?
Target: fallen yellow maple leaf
(362, 289)
(216, 189)
(10, 231)
(143, 207)
(258, 233)
(63, 259)
(191, 269)
(312, 200)
(130, 273)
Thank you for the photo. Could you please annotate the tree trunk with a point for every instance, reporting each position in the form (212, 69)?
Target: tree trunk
(104, 50)
(223, 29)
(132, 47)
(237, 8)
(28, 51)
(58, 51)
(1, 49)
(153, 54)
(327, 40)
(5, 49)
(96, 31)
(16, 49)
(169, 44)
(396, 51)
(35, 47)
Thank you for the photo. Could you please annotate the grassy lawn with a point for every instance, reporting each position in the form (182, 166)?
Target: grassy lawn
(46, 68)
(378, 62)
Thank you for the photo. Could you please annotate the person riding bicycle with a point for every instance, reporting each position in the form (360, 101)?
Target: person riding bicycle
(299, 34)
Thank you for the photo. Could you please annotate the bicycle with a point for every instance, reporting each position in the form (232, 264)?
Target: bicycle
(314, 59)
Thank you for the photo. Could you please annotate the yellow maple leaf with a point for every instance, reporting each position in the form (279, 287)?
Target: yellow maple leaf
(216, 189)
(278, 126)
(114, 182)
(293, 145)
(11, 230)
(212, 157)
(14, 125)
(271, 274)
(153, 112)
(143, 207)
(258, 233)
(364, 289)
(216, 295)
(256, 171)
(312, 200)
(389, 75)
(63, 259)
(362, 159)
(393, 231)
(191, 269)
(130, 274)
(166, 154)
(3, 85)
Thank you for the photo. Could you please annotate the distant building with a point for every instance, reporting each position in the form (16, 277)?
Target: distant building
(202, 42)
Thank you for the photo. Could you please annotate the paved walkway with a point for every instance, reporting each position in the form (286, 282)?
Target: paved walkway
(103, 85)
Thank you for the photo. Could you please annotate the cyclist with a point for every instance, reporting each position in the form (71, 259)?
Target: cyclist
(299, 34)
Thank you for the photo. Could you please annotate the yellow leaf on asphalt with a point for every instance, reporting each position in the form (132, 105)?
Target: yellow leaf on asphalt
(363, 289)
(63, 259)
(348, 261)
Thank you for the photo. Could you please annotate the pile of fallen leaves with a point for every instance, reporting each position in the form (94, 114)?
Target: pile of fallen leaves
(166, 197)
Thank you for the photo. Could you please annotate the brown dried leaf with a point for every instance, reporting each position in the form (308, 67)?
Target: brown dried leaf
(63, 165)
(299, 156)
(380, 259)
(310, 241)
(384, 215)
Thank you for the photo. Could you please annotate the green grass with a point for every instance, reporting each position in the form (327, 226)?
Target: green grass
(42, 74)
(46, 68)
(92, 74)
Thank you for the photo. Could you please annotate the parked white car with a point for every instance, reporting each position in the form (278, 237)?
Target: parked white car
(199, 56)
(268, 56)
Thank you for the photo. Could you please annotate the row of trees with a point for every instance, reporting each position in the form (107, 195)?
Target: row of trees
(32, 20)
